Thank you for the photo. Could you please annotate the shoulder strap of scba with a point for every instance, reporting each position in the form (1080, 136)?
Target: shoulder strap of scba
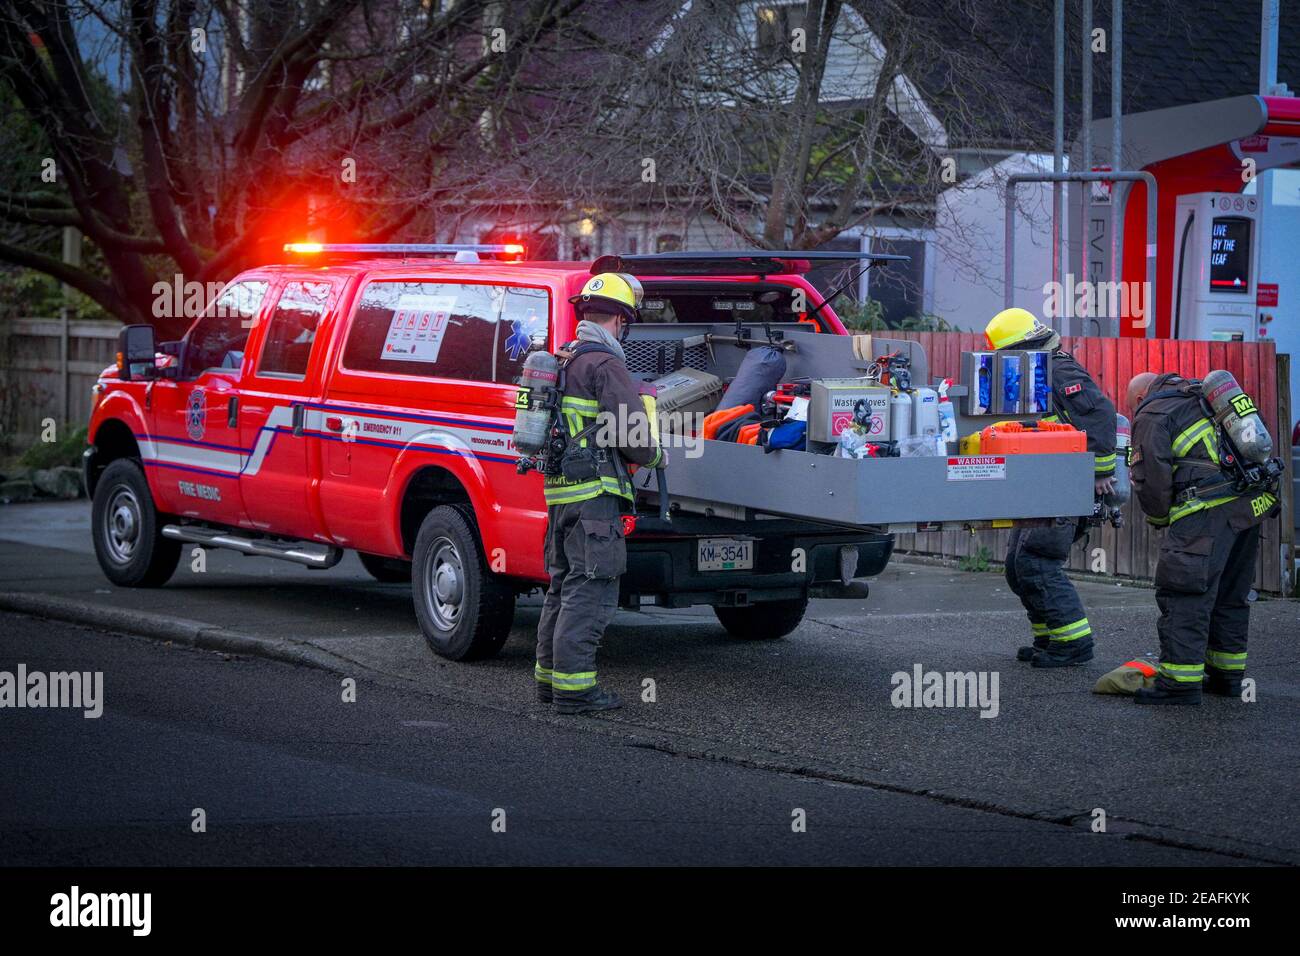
(1192, 388)
(574, 349)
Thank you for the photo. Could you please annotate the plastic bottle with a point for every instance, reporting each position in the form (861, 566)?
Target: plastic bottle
(900, 415)
(947, 414)
(925, 408)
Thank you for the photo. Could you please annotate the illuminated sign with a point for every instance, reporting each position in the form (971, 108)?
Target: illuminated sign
(1230, 254)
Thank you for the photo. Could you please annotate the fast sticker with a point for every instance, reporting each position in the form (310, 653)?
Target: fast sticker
(417, 328)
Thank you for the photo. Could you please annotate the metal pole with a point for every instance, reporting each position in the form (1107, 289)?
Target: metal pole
(1085, 160)
(1058, 144)
(71, 256)
(1268, 47)
(1116, 148)
(1009, 225)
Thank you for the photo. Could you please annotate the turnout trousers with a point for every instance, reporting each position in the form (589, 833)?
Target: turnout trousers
(1035, 570)
(1203, 580)
(585, 557)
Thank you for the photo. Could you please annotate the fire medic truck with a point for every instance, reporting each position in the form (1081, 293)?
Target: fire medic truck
(363, 398)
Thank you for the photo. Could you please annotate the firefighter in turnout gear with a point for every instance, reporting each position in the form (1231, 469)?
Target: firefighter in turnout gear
(1211, 539)
(585, 551)
(1035, 562)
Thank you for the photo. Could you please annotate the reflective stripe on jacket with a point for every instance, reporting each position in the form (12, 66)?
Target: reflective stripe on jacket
(1078, 401)
(598, 383)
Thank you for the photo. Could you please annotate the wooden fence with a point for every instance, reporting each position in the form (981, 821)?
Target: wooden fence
(1131, 551)
(32, 378)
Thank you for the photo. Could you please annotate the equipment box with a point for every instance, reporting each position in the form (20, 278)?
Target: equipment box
(876, 492)
(898, 494)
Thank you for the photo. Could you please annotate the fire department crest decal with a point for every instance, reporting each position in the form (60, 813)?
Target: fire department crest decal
(196, 414)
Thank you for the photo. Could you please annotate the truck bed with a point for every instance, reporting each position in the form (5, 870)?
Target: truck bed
(743, 481)
(885, 494)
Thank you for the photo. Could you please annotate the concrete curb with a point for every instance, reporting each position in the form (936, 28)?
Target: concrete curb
(165, 627)
(996, 566)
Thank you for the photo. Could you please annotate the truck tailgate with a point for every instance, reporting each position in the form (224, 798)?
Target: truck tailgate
(743, 480)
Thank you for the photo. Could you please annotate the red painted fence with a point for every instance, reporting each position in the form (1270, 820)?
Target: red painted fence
(1131, 551)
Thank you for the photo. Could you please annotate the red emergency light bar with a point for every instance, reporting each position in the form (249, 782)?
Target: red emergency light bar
(400, 248)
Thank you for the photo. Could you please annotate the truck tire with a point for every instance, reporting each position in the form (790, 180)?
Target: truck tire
(764, 621)
(464, 610)
(386, 570)
(127, 530)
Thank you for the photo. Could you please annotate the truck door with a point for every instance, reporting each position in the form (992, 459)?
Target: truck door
(193, 451)
(281, 477)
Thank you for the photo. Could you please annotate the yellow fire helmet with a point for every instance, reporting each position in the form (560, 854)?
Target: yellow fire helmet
(614, 293)
(1010, 327)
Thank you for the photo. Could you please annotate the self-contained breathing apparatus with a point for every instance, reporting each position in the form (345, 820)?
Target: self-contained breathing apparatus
(541, 430)
(1244, 445)
(1107, 508)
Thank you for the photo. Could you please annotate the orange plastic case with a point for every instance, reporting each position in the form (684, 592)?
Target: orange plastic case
(1031, 438)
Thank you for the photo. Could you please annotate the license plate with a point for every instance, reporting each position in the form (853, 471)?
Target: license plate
(725, 554)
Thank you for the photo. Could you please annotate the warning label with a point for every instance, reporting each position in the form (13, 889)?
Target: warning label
(977, 468)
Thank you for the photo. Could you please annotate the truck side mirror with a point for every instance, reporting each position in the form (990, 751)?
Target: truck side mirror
(135, 353)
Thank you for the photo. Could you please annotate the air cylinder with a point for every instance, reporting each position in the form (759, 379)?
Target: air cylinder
(1236, 414)
(532, 418)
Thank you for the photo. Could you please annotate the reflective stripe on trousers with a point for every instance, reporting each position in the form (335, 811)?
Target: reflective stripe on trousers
(1225, 662)
(1183, 673)
(1070, 632)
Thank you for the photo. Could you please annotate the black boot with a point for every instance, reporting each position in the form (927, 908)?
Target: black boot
(1027, 652)
(586, 701)
(1222, 685)
(1077, 653)
(544, 692)
(1163, 695)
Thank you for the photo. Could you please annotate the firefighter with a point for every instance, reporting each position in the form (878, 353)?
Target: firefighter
(1035, 563)
(585, 551)
(1207, 557)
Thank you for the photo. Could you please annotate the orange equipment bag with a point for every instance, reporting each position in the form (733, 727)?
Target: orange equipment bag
(1031, 438)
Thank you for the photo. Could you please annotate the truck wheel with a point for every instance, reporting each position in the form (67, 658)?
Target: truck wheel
(386, 570)
(126, 529)
(762, 622)
(465, 611)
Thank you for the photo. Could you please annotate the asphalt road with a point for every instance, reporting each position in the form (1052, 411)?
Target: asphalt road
(739, 736)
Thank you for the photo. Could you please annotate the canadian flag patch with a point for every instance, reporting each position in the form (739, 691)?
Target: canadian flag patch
(1076, 387)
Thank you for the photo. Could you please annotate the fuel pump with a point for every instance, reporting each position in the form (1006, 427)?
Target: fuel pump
(1216, 266)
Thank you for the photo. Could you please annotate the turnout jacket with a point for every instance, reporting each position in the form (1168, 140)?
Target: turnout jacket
(1175, 455)
(1078, 401)
(597, 382)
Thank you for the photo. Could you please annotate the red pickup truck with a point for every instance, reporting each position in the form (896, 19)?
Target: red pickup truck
(363, 398)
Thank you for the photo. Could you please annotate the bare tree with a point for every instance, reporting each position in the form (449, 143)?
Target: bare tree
(199, 157)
